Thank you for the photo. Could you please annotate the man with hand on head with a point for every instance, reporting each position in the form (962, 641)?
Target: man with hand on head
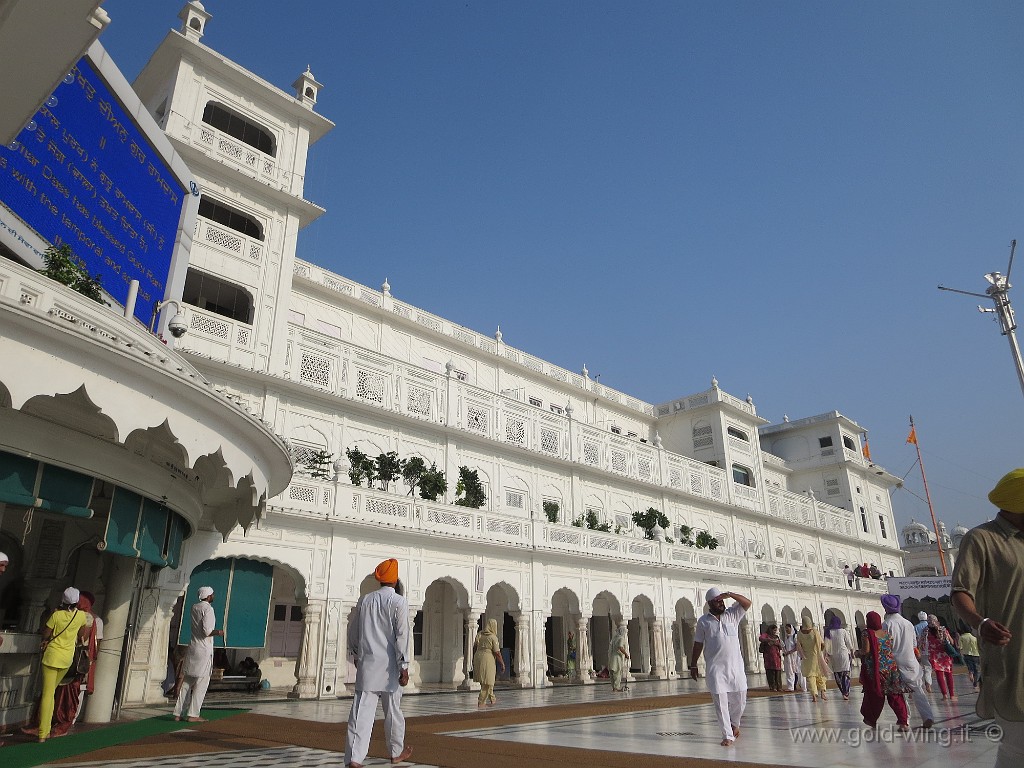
(987, 583)
(198, 658)
(378, 641)
(718, 636)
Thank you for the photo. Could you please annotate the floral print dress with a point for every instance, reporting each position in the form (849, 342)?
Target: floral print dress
(937, 656)
(891, 680)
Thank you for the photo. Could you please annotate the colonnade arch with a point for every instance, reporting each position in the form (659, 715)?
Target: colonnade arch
(563, 620)
(605, 618)
(682, 635)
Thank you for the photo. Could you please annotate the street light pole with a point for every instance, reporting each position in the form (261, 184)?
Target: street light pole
(999, 292)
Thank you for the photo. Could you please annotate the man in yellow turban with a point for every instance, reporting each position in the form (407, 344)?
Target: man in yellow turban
(988, 580)
(378, 642)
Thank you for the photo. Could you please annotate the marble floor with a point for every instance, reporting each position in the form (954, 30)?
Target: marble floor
(784, 730)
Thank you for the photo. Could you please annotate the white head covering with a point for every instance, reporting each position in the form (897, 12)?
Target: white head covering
(713, 593)
(4, 558)
(922, 616)
(205, 592)
(71, 596)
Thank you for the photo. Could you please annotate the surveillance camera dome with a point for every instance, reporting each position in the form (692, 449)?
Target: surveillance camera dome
(177, 326)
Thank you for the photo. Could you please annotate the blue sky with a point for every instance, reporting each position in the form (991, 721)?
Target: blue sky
(764, 192)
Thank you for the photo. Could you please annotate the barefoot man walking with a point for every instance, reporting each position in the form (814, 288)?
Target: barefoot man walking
(718, 635)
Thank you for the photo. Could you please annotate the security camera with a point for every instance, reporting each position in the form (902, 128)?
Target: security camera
(177, 326)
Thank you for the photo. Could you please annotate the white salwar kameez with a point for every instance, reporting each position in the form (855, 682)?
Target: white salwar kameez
(378, 641)
(904, 641)
(725, 674)
(198, 661)
(791, 661)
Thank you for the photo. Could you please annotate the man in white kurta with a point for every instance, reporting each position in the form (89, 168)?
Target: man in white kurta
(378, 641)
(718, 637)
(199, 658)
(904, 642)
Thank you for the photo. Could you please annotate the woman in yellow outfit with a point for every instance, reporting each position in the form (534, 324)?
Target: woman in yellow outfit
(812, 664)
(64, 629)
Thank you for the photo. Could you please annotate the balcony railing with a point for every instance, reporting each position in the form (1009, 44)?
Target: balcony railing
(234, 152)
(331, 500)
(494, 346)
(223, 239)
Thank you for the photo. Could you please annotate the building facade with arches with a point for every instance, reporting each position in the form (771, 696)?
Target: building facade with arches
(771, 511)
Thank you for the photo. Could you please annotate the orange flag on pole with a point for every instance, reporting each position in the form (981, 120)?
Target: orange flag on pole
(912, 437)
(866, 450)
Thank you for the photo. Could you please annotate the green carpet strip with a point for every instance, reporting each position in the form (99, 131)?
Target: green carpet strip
(34, 753)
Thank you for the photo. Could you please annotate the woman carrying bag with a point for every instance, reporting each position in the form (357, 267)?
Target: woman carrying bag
(65, 629)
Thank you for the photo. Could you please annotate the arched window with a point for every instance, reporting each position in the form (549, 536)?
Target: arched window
(739, 434)
(233, 124)
(230, 218)
(218, 296)
(742, 475)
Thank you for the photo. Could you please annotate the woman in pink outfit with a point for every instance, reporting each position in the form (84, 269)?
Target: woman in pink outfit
(933, 641)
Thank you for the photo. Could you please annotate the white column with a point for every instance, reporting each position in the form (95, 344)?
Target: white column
(660, 670)
(584, 657)
(306, 676)
(749, 640)
(522, 651)
(414, 666)
(120, 583)
(540, 655)
(646, 661)
(469, 631)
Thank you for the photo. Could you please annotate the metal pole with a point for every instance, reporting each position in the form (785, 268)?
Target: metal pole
(999, 290)
(928, 498)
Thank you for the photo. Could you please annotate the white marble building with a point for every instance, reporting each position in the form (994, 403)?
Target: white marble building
(334, 365)
(920, 553)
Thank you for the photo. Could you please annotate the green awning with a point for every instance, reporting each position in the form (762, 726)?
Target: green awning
(137, 526)
(143, 528)
(241, 600)
(26, 482)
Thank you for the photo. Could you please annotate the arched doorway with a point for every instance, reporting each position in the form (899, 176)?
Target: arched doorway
(513, 632)
(564, 619)
(443, 627)
(767, 618)
(606, 617)
(685, 624)
(642, 646)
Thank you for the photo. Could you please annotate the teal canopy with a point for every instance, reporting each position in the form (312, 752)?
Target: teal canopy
(26, 482)
(137, 526)
(241, 600)
(143, 528)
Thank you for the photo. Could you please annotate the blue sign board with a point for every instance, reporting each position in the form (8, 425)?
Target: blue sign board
(82, 172)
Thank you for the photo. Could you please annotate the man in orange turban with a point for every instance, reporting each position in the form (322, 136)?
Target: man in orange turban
(387, 572)
(378, 641)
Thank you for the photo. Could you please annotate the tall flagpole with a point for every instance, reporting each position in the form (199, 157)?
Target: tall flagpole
(912, 438)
